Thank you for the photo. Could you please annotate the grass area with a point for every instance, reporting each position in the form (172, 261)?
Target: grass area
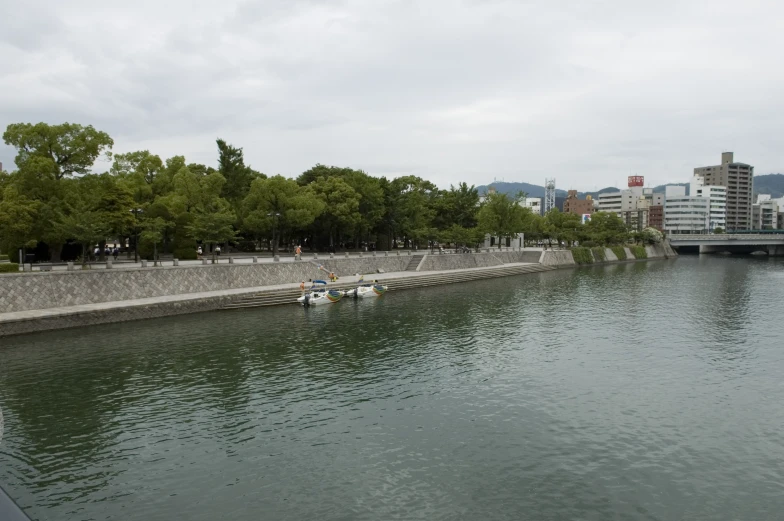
(639, 252)
(9, 267)
(582, 255)
(619, 252)
(599, 254)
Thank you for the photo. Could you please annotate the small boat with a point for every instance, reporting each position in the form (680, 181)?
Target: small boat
(367, 290)
(319, 294)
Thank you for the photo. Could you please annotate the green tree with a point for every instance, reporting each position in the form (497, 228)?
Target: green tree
(607, 229)
(17, 220)
(153, 232)
(341, 206)
(502, 216)
(231, 165)
(214, 224)
(277, 204)
(71, 148)
(412, 207)
(563, 227)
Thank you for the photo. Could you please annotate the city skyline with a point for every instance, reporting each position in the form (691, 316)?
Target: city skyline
(586, 94)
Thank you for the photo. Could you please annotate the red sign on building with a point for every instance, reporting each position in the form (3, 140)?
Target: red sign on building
(636, 180)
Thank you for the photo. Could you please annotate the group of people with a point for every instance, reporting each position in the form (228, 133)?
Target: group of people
(115, 252)
(199, 251)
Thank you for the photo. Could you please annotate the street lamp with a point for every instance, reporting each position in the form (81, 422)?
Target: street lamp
(135, 213)
(275, 216)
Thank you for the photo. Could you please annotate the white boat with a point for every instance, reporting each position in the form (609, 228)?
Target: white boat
(318, 295)
(367, 290)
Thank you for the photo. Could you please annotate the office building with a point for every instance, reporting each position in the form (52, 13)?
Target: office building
(738, 178)
(656, 217)
(685, 214)
(766, 212)
(578, 206)
(717, 196)
(633, 204)
(534, 203)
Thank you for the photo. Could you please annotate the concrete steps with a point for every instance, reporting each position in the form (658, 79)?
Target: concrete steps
(281, 297)
(414, 263)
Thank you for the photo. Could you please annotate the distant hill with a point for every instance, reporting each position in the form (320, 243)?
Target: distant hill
(772, 184)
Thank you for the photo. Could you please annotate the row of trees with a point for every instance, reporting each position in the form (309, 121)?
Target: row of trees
(54, 203)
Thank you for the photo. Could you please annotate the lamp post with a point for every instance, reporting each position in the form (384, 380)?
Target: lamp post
(275, 216)
(135, 213)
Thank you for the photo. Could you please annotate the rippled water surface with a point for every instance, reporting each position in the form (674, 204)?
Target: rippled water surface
(645, 391)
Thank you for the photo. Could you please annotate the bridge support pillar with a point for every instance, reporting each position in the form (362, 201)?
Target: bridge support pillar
(776, 251)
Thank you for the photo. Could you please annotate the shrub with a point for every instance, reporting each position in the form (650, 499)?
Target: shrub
(639, 252)
(3, 257)
(582, 255)
(619, 252)
(598, 254)
(185, 254)
(9, 267)
(651, 236)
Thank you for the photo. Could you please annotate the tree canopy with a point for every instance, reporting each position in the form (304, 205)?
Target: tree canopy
(56, 203)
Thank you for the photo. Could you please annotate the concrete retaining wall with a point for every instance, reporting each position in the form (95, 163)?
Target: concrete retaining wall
(477, 260)
(108, 316)
(558, 258)
(41, 290)
(564, 258)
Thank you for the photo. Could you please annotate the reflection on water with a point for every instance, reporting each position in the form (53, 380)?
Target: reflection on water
(631, 391)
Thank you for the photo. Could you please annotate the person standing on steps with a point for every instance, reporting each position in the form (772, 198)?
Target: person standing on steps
(298, 253)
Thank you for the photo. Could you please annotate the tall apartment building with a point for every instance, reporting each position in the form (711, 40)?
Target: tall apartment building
(577, 206)
(738, 178)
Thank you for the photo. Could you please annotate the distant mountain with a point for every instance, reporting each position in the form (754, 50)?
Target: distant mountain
(514, 188)
(772, 184)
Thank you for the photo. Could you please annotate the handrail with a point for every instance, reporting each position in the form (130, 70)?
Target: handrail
(723, 237)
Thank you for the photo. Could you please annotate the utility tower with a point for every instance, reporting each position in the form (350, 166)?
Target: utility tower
(549, 194)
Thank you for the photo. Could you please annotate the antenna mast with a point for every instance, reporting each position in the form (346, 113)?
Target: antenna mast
(549, 194)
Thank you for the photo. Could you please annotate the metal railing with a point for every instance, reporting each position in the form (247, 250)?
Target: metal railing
(725, 237)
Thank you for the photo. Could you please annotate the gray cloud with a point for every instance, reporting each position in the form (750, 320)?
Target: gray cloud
(587, 92)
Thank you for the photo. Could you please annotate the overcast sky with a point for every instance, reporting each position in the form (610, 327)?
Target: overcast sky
(588, 92)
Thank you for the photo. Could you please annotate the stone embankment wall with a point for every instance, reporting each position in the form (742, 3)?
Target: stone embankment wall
(42, 290)
(478, 260)
(56, 289)
(564, 258)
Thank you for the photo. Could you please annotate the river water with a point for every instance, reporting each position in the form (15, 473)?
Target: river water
(640, 391)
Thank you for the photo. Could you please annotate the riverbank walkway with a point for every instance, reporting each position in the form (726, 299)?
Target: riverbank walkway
(87, 314)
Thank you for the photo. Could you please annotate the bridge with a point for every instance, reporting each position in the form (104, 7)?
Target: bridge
(770, 243)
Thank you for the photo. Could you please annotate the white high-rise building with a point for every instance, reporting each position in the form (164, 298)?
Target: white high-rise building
(765, 212)
(717, 217)
(685, 214)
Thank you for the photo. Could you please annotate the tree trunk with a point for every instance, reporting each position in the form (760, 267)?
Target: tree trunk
(155, 254)
(54, 252)
(102, 250)
(84, 254)
(274, 243)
